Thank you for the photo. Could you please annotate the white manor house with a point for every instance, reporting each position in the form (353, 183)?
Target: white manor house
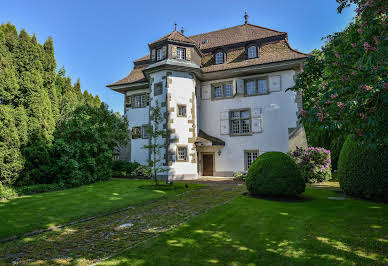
(223, 96)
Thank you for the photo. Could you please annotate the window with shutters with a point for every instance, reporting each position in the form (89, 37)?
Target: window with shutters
(139, 101)
(144, 131)
(219, 58)
(250, 157)
(181, 53)
(240, 122)
(159, 54)
(222, 91)
(181, 110)
(256, 86)
(252, 51)
(158, 88)
(181, 153)
(136, 132)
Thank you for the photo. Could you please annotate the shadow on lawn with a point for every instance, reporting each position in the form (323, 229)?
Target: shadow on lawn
(216, 246)
(297, 198)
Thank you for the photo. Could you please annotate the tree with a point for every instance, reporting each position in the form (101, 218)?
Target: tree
(345, 85)
(82, 151)
(156, 133)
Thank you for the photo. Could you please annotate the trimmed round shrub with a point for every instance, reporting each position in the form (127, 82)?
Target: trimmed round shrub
(363, 171)
(275, 174)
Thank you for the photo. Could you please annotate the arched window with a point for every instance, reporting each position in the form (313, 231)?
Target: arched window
(252, 51)
(219, 58)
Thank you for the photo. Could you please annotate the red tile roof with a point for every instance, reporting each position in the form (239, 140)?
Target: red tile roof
(136, 75)
(236, 34)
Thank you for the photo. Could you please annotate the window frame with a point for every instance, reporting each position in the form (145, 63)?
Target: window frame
(246, 153)
(182, 53)
(223, 57)
(142, 101)
(231, 119)
(177, 153)
(256, 80)
(158, 85)
(136, 136)
(222, 85)
(178, 108)
(255, 49)
(160, 52)
(144, 133)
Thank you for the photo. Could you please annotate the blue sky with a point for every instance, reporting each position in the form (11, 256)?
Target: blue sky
(97, 40)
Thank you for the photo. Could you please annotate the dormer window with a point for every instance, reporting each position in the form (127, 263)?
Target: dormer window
(219, 58)
(181, 53)
(252, 51)
(159, 54)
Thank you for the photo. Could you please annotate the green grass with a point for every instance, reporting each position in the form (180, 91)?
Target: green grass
(252, 231)
(39, 211)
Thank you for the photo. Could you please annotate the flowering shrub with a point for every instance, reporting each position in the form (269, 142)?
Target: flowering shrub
(314, 163)
(240, 176)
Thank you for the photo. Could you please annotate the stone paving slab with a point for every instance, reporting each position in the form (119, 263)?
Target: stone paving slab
(95, 240)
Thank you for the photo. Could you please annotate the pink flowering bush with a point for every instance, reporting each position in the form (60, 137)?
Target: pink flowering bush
(314, 163)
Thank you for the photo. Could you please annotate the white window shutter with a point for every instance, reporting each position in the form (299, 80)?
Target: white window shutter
(173, 52)
(234, 88)
(257, 125)
(240, 86)
(164, 52)
(188, 54)
(275, 83)
(256, 112)
(153, 55)
(224, 123)
(206, 93)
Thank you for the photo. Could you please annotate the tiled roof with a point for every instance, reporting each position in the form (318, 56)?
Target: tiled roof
(269, 53)
(175, 36)
(213, 140)
(236, 34)
(136, 75)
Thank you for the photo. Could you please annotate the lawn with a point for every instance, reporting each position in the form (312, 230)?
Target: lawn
(251, 231)
(39, 211)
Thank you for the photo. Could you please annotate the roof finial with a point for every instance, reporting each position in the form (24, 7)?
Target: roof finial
(183, 30)
(174, 26)
(246, 17)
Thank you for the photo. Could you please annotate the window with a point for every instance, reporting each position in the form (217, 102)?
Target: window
(240, 122)
(250, 157)
(252, 52)
(159, 54)
(256, 86)
(158, 89)
(136, 132)
(181, 110)
(144, 132)
(182, 153)
(139, 101)
(128, 101)
(219, 58)
(222, 91)
(181, 53)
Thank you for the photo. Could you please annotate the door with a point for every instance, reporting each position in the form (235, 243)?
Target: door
(207, 160)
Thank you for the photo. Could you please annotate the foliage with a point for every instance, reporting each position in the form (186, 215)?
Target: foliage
(142, 171)
(156, 134)
(240, 176)
(274, 173)
(87, 158)
(314, 163)
(345, 86)
(363, 171)
(38, 188)
(124, 168)
(7, 192)
(34, 100)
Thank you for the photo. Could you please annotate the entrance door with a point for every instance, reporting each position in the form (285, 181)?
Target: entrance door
(207, 164)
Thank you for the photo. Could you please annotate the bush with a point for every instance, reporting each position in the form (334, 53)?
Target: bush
(7, 192)
(274, 173)
(142, 171)
(124, 169)
(40, 188)
(240, 176)
(314, 163)
(363, 171)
